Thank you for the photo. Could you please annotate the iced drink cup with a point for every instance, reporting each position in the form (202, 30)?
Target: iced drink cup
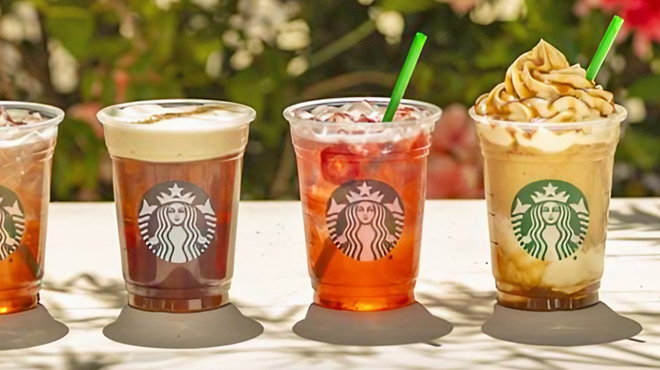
(548, 137)
(177, 174)
(362, 185)
(28, 133)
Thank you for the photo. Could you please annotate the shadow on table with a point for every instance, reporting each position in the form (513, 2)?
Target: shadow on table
(469, 309)
(29, 329)
(467, 347)
(223, 326)
(637, 219)
(103, 292)
(597, 324)
(108, 293)
(407, 325)
(215, 328)
(640, 224)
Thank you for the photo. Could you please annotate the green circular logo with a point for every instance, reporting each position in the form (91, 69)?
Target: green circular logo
(550, 219)
(12, 222)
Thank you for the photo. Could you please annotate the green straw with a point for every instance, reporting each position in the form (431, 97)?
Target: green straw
(404, 76)
(604, 47)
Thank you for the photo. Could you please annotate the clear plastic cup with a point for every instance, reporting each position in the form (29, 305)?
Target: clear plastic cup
(177, 186)
(26, 154)
(362, 187)
(548, 190)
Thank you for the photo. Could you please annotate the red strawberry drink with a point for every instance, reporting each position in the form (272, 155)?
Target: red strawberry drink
(362, 185)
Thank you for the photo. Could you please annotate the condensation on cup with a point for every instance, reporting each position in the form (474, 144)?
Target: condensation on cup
(28, 133)
(362, 185)
(177, 174)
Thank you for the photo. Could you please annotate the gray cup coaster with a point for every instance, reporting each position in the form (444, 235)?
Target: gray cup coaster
(407, 325)
(220, 327)
(597, 324)
(29, 328)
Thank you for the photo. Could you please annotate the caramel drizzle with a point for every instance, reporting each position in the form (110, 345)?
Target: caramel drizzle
(198, 110)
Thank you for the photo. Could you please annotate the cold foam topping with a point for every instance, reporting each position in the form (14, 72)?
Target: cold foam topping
(360, 112)
(541, 86)
(177, 131)
(172, 117)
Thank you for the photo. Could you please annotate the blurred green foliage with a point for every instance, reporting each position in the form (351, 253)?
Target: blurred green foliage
(272, 53)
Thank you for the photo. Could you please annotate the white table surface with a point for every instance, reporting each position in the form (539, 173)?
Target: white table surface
(85, 291)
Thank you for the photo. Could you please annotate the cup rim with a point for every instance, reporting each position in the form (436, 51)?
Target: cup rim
(436, 112)
(106, 118)
(56, 115)
(619, 115)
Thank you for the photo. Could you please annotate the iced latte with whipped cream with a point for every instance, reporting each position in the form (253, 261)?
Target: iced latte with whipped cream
(548, 136)
(177, 173)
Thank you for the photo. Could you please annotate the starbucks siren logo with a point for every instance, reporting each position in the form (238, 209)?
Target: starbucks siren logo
(12, 222)
(365, 219)
(177, 221)
(550, 219)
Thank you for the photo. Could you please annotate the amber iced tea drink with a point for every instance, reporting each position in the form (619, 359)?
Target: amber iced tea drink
(362, 185)
(177, 172)
(27, 140)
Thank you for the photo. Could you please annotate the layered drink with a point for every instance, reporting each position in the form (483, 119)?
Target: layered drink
(548, 136)
(177, 174)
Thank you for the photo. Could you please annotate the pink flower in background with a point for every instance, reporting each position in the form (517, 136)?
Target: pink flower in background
(641, 16)
(86, 112)
(461, 6)
(454, 168)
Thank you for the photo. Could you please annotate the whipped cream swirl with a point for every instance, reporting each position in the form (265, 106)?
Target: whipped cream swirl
(541, 86)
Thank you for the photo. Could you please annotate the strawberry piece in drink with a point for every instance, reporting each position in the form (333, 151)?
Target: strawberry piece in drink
(339, 165)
